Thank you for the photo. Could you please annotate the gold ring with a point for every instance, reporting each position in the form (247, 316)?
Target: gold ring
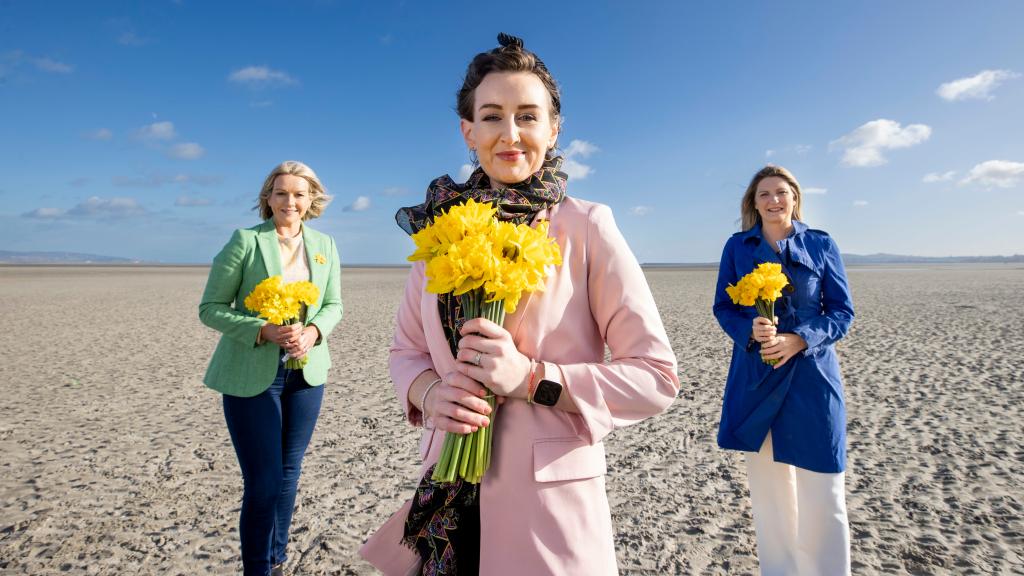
(476, 359)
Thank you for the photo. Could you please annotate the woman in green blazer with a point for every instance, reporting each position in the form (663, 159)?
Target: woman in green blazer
(271, 410)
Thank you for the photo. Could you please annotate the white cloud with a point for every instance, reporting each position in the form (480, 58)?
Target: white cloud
(798, 149)
(13, 59)
(864, 146)
(260, 76)
(130, 38)
(977, 87)
(933, 177)
(51, 65)
(465, 171)
(93, 208)
(157, 131)
(191, 201)
(186, 151)
(575, 169)
(46, 213)
(96, 207)
(996, 173)
(860, 203)
(99, 134)
(361, 203)
(640, 210)
(158, 180)
(581, 148)
(814, 190)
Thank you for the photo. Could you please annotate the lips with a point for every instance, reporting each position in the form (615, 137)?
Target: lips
(511, 156)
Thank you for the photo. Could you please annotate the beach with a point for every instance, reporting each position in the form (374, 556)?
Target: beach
(116, 458)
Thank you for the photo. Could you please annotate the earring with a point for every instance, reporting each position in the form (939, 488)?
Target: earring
(473, 159)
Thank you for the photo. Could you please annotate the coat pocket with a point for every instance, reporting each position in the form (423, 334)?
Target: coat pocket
(560, 459)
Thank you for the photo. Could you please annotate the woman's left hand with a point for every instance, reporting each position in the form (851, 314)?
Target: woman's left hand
(488, 355)
(304, 343)
(785, 346)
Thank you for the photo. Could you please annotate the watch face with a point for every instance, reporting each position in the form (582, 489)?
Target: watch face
(547, 393)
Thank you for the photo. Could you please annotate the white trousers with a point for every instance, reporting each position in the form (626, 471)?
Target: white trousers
(799, 518)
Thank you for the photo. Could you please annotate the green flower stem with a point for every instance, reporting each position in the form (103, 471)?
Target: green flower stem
(766, 309)
(468, 456)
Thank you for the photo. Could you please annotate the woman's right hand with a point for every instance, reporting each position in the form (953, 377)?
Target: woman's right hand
(456, 404)
(763, 330)
(287, 337)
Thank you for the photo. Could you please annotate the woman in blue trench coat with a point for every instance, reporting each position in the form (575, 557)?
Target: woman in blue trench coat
(790, 418)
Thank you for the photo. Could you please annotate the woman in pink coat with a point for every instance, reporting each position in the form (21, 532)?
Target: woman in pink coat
(541, 507)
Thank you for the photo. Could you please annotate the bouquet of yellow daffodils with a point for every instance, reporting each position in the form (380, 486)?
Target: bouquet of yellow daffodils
(281, 304)
(760, 289)
(488, 264)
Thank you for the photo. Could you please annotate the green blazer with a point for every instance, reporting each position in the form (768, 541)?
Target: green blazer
(239, 367)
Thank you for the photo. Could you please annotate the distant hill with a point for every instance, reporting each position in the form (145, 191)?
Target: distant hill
(903, 259)
(9, 257)
(875, 259)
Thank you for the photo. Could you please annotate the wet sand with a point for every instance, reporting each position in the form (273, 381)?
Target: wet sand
(116, 459)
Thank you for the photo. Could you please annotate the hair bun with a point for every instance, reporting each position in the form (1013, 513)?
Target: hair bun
(510, 41)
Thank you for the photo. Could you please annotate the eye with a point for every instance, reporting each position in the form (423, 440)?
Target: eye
(491, 118)
(528, 117)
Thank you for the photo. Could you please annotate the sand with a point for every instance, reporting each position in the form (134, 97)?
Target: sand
(116, 459)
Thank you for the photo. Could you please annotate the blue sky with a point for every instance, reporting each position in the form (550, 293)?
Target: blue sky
(144, 129)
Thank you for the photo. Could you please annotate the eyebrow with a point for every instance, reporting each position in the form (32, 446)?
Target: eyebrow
(499, 107)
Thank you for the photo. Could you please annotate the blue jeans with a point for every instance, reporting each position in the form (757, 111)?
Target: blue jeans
(270, 433)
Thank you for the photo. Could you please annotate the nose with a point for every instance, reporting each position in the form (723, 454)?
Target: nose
(510, 132)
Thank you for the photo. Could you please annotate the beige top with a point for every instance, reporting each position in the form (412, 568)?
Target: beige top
(294, 267)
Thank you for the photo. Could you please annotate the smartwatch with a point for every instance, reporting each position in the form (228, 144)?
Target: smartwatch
(547, 393)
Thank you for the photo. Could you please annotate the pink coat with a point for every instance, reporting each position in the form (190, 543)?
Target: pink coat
(543, 506)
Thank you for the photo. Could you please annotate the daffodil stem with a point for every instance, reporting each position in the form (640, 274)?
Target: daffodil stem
(468, 456)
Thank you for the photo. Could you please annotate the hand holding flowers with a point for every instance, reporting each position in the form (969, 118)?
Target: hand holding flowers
(488, 264)
(503, 369)
(760, 289)
(281, 304)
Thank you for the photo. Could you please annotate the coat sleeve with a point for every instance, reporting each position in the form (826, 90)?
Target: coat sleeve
(836, 304)
(409, 354)
(640, 379)
(216, 308)
(737, 321)
(331, 308)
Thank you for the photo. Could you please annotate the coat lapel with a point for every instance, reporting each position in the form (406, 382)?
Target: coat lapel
(269, 250)
(316, 269)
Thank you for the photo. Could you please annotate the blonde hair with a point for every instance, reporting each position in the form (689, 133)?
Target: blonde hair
(317, 194)
(749, 216)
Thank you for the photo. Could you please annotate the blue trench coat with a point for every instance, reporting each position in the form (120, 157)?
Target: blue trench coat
(801, 403)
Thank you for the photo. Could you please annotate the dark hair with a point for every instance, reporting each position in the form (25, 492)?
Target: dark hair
(510, 56)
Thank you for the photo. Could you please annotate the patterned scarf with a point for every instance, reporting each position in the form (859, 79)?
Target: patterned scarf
(443, 525)
(518, 203)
